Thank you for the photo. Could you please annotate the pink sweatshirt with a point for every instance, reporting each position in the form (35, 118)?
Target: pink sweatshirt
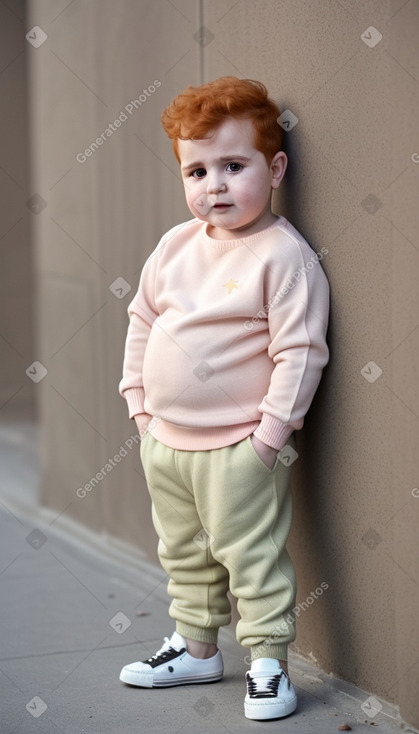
(226, 337)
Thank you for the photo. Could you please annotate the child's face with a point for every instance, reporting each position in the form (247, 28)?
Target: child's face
(228, 183)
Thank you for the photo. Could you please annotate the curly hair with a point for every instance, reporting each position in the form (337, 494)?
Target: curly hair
(198, 110)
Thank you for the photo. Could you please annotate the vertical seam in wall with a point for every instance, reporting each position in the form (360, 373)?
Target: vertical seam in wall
(201, 67)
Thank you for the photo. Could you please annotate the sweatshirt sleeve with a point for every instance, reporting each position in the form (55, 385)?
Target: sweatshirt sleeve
(142, 312)
(297, 319)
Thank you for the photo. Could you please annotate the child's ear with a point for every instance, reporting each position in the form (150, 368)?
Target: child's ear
(278, 167)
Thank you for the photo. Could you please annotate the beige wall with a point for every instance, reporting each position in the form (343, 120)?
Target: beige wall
(351, 187)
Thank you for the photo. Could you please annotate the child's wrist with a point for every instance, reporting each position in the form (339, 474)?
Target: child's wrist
(142, 420)
(266, 453)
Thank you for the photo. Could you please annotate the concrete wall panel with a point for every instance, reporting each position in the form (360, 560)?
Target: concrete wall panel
(104, 213)
(16, 271)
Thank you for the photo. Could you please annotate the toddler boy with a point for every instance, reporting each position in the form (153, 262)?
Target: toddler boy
(225, 350)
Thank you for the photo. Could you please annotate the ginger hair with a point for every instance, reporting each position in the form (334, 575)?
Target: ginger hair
(198, 110)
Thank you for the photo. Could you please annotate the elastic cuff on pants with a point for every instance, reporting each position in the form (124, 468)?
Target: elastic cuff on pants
(201, 634)
(278, 651)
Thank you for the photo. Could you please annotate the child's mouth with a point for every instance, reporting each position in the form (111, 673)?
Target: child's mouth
(221, 206)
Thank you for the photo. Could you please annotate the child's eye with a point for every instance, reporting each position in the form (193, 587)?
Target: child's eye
(199, 173)
(234, 167)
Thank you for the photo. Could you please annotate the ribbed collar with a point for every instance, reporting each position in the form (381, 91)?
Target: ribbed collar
(231, 244)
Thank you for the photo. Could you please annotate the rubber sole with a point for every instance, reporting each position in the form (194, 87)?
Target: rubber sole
(265, 711)
(167, 683)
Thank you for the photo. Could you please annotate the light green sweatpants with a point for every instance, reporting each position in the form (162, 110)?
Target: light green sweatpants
(223, 519)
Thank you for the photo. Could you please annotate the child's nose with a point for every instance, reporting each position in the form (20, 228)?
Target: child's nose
(215, 184)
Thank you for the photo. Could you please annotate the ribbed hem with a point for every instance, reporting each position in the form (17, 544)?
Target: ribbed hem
(200, 439)
(200, 634)
(278, 651)
(273, 432)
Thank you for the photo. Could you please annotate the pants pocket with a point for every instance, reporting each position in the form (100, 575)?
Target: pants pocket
(255, 456)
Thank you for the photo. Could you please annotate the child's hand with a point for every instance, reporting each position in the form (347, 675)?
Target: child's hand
(266, 453)
(142, 420)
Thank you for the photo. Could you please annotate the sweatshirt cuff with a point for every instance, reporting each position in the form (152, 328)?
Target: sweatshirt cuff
(135, 400)
(273, 432)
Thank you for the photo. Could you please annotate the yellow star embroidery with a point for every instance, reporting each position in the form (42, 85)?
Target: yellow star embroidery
(230, 285)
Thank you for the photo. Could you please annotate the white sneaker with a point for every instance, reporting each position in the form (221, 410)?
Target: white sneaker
(173, 666)
(270, 693)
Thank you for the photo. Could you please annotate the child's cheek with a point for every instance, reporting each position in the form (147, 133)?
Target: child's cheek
(190, 197)
(249, 197)
(245, 196)
(200, 203)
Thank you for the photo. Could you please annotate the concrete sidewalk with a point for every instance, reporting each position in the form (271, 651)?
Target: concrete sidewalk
(72, 616)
